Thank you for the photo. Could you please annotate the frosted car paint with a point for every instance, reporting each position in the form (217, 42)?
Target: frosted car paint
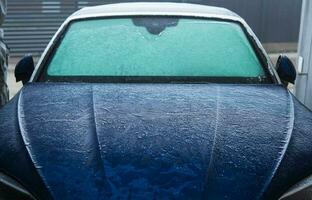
(196, 141)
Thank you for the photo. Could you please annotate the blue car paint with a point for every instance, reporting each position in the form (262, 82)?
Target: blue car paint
(154, 141)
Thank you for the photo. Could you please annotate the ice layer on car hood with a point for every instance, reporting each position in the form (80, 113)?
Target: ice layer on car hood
(154, 141)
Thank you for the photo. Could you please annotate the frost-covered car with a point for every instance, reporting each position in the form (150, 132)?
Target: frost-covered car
(155, 101)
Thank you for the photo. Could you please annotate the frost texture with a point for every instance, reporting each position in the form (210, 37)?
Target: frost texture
(117, 47)
(155, 141)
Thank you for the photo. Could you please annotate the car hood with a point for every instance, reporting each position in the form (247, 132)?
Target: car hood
(154, 141)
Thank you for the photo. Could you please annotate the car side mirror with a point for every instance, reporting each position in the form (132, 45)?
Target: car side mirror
(24, 69)
(286, 70)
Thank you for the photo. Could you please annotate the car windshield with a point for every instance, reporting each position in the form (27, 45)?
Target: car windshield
(155, 49)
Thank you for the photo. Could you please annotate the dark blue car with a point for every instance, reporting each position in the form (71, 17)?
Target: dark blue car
(155, 101)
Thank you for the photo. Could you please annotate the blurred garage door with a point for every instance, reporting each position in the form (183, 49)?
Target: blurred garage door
(31, 24)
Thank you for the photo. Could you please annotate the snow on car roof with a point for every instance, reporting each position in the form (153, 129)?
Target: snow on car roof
(183, 9)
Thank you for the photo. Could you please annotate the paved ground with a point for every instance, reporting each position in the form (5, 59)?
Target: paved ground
(15, 87)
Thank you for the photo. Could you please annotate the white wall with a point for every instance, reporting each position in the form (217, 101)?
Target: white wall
(304, 81)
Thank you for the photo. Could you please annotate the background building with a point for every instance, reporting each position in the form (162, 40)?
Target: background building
(4, 93)
(304, 80)
(31, 24)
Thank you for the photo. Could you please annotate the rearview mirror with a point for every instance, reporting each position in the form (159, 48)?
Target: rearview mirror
(24, 69)
(286, 70)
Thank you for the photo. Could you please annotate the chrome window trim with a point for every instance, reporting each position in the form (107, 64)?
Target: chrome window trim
(299, 190)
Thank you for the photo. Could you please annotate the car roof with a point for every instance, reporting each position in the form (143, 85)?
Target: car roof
(161, 8)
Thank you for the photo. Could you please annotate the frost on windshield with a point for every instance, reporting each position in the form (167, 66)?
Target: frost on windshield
(181, 47)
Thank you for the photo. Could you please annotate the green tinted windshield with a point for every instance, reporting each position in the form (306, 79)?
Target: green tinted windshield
(155, 47)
